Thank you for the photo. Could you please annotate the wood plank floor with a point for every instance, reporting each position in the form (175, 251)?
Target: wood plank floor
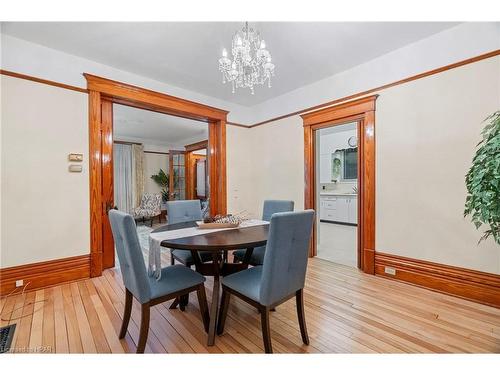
(346, 312)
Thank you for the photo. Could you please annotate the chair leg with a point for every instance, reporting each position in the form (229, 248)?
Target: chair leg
(174, 304)
(202, 301)
(126, 314)
(183, 301)
(224, 305)
(143, 335)
(266, 329)
(299, 296)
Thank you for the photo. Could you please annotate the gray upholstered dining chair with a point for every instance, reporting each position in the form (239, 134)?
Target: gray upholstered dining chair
(281, 277)
(270, 207)
(175, 280)
(181, 212)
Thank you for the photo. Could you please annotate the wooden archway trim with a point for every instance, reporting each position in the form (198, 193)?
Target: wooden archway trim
(103, 93)
(123, 93)
(363, 111)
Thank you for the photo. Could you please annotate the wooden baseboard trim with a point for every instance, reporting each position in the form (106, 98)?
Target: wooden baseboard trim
(45, 274)
(473, 285)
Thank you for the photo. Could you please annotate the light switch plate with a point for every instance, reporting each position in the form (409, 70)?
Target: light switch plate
(75, 157)
(75, 168)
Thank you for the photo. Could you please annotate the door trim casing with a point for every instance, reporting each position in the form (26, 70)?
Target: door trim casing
(362, 111)
(105, 90)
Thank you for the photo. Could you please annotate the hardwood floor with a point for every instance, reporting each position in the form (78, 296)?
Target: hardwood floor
(346, 312)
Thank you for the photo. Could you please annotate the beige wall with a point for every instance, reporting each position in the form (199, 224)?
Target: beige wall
(240, 171)
(152, 165)
(266, 162)
(45, 209)
(426, 132)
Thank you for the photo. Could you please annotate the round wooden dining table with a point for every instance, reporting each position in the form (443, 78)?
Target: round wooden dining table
(218, 243)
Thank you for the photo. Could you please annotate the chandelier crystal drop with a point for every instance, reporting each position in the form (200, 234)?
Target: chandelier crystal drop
(251, 64)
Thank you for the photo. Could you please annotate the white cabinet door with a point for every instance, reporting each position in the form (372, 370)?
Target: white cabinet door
(342, 209)
(353, 210)
(322, 213)
(325, 171)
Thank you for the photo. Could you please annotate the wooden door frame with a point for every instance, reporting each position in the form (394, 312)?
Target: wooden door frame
(188, 161)
(105, 90)
(362, 111)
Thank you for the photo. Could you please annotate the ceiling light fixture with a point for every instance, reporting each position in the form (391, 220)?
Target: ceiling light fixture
(251, 64)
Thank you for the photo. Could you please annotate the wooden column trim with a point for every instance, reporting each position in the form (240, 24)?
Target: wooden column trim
(221, 168)
(367, 208)
(212, 167)
(108, 246)
(363, 111)
(310, 181)
(96, 208)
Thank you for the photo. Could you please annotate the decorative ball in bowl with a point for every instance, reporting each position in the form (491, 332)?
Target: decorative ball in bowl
(220, 221)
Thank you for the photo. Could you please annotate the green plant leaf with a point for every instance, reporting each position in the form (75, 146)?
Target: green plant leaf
(483, 181)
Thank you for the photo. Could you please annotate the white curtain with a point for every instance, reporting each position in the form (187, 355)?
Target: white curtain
(137, 174)
(122, 166)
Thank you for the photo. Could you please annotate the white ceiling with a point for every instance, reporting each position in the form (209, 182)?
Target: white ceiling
(185, 54)
(156, 128)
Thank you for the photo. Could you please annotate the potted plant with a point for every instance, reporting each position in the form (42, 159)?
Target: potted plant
(162, 179)
(483, 181)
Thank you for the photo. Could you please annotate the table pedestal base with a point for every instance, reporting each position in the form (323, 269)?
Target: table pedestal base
(217, 269)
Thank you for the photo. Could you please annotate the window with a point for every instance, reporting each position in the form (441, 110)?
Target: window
(350, 164)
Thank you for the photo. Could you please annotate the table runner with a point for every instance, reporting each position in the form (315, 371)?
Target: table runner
(155, 239)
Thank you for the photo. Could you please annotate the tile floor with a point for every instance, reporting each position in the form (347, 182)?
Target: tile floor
(338, 243)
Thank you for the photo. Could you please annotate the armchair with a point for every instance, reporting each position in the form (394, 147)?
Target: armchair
(150, 207)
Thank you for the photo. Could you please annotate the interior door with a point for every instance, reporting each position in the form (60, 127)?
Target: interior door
(177, 175)
(108, 245)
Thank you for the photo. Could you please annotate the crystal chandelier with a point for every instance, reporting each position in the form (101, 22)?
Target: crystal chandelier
(251, 64)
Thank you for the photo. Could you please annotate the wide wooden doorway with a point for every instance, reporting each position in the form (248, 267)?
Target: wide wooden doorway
(361, 111)
(102, 94)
